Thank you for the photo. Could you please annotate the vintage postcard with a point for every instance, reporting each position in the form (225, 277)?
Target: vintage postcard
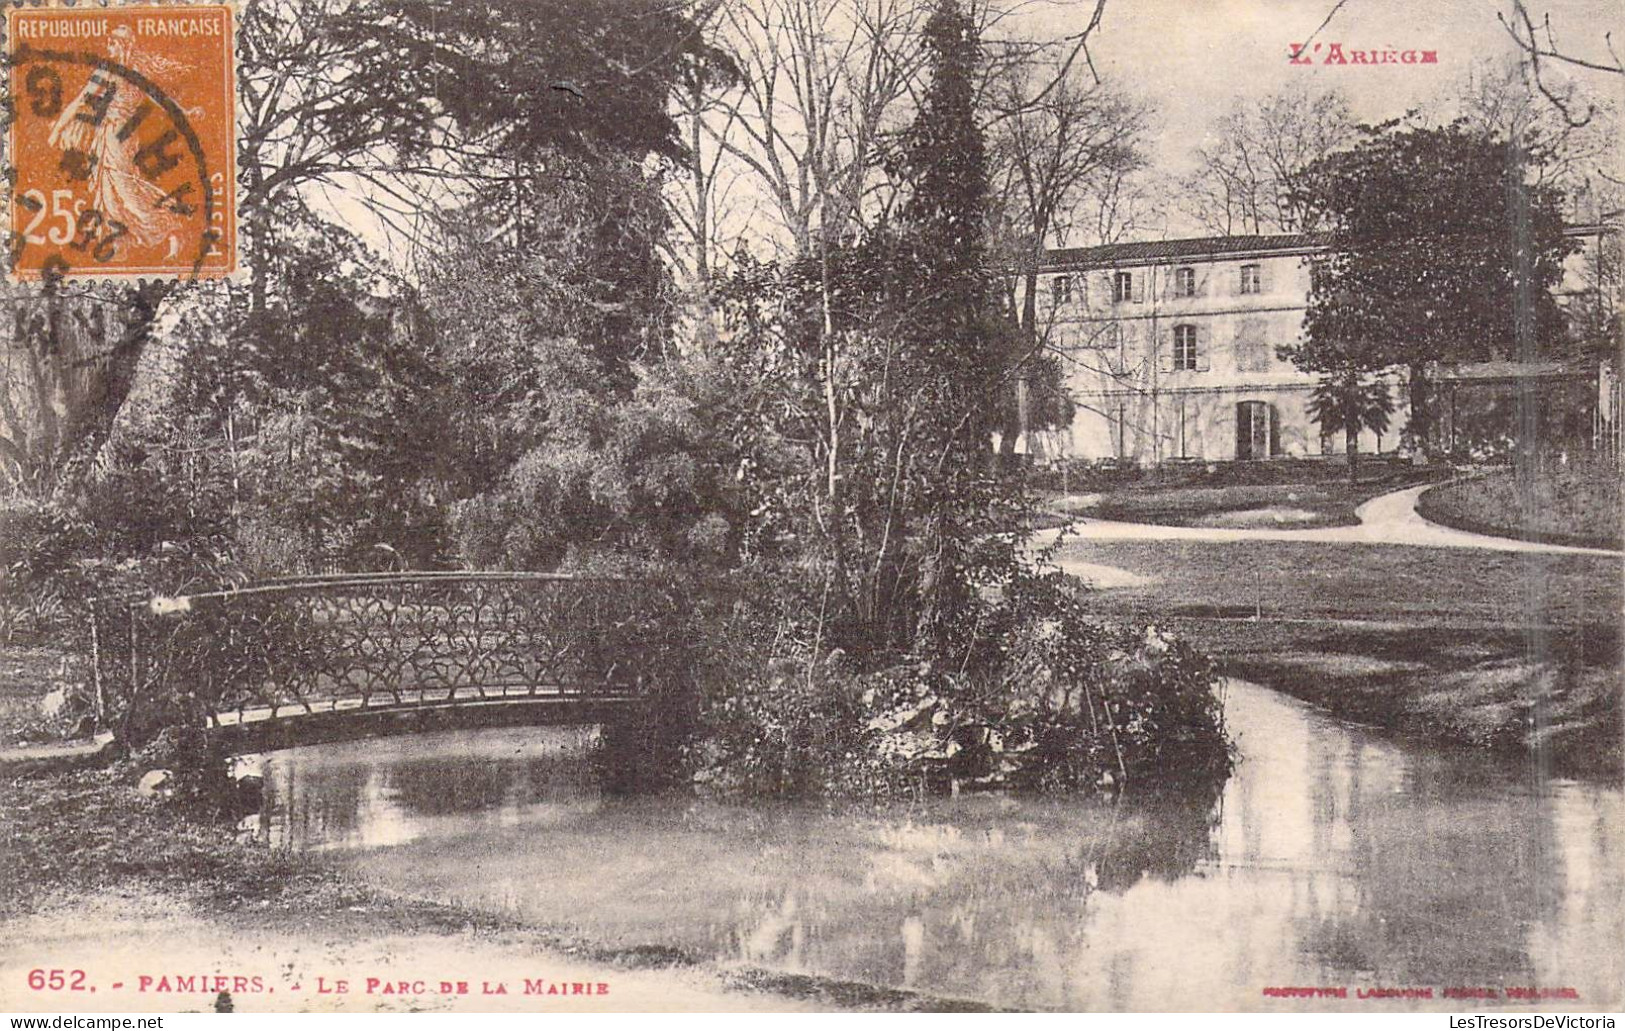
(812, 505)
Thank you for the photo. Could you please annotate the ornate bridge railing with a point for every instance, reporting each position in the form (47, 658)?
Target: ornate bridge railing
(367, 642)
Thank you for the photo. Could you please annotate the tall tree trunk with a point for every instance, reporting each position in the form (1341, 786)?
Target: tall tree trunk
(1420, 394)
(66, 375)
(1011, 423)
(702, 189)
(1351, 448)
(1009, 430)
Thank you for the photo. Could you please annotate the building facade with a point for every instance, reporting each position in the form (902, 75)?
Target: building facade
(1171, 351)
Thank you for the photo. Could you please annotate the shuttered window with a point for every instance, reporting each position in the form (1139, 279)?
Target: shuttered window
(1253, 352)
(1122, 287)
(1185, 349)
(1185, 282)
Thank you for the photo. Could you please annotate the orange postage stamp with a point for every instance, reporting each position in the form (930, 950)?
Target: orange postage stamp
(121, 139)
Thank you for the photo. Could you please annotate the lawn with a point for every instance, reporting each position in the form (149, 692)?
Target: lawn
(27, 674)
(1493, 649)
(1551, 697)
(1432, 586)
(1311, 503)
(1577, 503)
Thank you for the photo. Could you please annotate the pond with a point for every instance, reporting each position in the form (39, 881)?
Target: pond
(1334, 857)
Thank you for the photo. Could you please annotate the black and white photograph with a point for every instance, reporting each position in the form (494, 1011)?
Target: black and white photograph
(812, 506)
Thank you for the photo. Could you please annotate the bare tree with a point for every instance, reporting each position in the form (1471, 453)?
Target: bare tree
(1536, 37)
(1502, 97)
(819, 83)
(699, 200)
(1049, 154)
(1125, 203)
(1247, 179)
(824, 86)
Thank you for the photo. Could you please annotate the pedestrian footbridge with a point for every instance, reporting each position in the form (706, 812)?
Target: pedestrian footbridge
(328, 658)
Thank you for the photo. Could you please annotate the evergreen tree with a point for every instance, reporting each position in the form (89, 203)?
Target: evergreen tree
(874, 377)
(1442, 251)
(944, 223)
(955, 338)
(1351, 401)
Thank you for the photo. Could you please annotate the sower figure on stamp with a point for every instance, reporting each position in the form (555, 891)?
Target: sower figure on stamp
(96, 124)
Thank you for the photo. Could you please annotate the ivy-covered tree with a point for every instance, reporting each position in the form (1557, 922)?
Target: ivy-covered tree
(1048, 156)
(873, 375)
(1442, 251)
(951, 294)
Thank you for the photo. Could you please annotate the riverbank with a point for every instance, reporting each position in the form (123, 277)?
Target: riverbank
(1022, 901)
(143, 952)
(1514, 652)
(91, 870)
(1469, 686)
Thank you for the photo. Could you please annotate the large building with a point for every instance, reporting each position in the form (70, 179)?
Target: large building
(1171, 346)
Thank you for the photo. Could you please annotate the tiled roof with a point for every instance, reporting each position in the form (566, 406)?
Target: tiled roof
(1151, 251)
(1148, 252)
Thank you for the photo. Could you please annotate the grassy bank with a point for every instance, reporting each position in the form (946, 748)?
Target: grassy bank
(1551, 699)
(1577, 504)
(1511, 651)
(1300, 505)
(76, 827)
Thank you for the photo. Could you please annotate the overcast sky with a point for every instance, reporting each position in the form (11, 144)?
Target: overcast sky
(1194, 58)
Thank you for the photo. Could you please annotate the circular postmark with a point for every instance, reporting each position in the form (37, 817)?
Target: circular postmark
(110, 174)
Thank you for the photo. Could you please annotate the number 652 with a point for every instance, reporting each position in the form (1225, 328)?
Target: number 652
(57, 980)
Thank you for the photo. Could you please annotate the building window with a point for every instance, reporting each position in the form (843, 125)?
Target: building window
(1252, 281)
(1257, 430)
(1061, 286)
(1122, 287)
(1185, 348)
(1185, 282)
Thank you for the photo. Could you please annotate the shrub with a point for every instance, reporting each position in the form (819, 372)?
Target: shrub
(1045, 698)
(1091, 702)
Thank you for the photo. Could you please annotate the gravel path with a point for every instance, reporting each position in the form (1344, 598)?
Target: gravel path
(1386, 519)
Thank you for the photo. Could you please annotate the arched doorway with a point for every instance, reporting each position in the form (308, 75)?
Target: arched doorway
(1257, 435)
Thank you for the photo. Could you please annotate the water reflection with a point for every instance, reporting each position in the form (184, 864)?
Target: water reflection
(1332, 858)
(373, 794)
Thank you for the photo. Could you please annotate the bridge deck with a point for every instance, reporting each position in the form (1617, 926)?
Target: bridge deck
(382, 700)
(355, 718)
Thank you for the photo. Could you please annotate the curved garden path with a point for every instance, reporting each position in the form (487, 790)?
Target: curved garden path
(1386, 519)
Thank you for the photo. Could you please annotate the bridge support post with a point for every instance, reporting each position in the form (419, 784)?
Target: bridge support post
(641, 748)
